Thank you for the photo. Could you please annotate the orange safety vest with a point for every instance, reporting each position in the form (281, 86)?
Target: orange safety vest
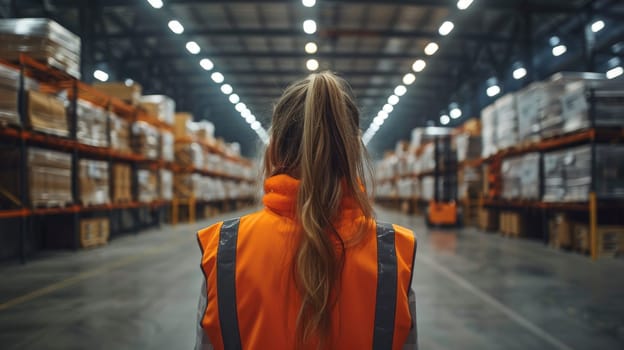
(252, 301)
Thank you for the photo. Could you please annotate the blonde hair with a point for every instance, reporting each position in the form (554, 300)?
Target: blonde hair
(315, 137)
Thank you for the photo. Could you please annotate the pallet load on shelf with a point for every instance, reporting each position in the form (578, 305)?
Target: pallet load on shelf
(189, 154)
(506, 121)
(160, 106)
(488, 131)
(187, 185)
(468, 146)
(167, 146)
(183, 125)
(122, 183)
(49, 176)
(419, 137)
(42, 39)
(94, 232)
(568, 173)
(119, 134)
(46, 113)
(427, 187)
(510, 223)
(469, 182)
(408, 188)
(128, 92)
(94, 182)
(166, 184)
(145, 140)
(148, 185)
(204, 132)
(9, 91)
(521, 177)
(608, 104)
(91, 124)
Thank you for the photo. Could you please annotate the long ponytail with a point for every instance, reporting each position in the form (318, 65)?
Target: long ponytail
(315, 136)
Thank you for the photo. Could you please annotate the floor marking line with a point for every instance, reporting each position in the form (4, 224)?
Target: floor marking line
(519, 319)
(90, 273)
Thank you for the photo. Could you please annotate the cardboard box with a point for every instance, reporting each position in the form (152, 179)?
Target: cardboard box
(488, 220)
(167, 146)
(148, 185)
(189, 155)
(160, 106)
(46, 113)
(119, 134)
(182, 128)
(49, 176)
(166, 184)
(130, 93)
(146, 140)
(94, 184)
(122, 183)
(560, 231)
(488, 131)
(506, 121)
(9, 89)
(94, 232)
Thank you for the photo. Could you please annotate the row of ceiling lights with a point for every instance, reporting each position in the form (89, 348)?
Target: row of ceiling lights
(408, 79)
(493, 88)
(194, 49)
(310, 28)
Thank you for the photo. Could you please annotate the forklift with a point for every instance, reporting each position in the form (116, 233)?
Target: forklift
(443, 210)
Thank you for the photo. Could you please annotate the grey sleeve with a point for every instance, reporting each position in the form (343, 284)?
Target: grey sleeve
(201, 341)
(412, 338)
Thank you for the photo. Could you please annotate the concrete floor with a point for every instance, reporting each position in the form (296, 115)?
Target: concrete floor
(473, 290)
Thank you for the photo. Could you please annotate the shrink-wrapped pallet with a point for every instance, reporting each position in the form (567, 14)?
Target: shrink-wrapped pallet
(568, 173)
(408, 188)
(607, 97)
(468, 146)
(42, 39)
(506, 121)
(166, 184)
(160, 106)
(521, 177)
(469, 182)
(182, 127)
(529, 107)
(167, 146)
(91, 124)
(488, 131)
(204, 131)
(145, 140)
(119, 134)
(49, 176)
(9, 91)
(186, 185)
(147, 185)
(94, 182)
(189, 155)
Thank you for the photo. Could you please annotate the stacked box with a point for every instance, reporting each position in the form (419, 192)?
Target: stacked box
(41, 39)
(122, 183)
(408, 188)
(182, 127)
(93, 175)
(488, 131)
(166, 184)
(468, 146)
(189, 155)
(529, 112)
(49, 176)
(427, 159)
(488, 221)
(510, 223)
(145, 140)
(91, 124)
(204, 131)
(506, 121)
(46, 113)
(608, 97)
(9, 91)
(130, 93)
(521, 177)
(119, 134)
(559, 231)
(419, 138)
(94, 232)
(214, 162)
(148, 185)
(167, 146)
(385, 190)
(567, 173)
(469, 182)
(186, 186)
(160, 106)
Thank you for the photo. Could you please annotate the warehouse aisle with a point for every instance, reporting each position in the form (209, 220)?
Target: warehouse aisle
(474, 291)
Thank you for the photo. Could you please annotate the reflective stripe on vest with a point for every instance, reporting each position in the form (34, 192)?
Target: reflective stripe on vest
(385, 305)
(226, 284)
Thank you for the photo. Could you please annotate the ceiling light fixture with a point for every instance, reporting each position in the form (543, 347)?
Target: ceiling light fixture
(226, 89)
(400, 90)
(240, 107)
(559, 50)
(597, 26)
(446, 28)
(419, 66)
(176, 26)
(234, 99)
(155, 3)
(312, 64)
(256, 125)
(206, 64)
(388, 109)
(311, 47)
(383, 114)
(217, 77)
(393, 99)
(493, 90)
(615, 72)
(193, 47)
(409, 79)
(431, 49)
(464, 4)
(454, 111)
(444, 119)
(309, 26)
(519, 73)
(308, 3)
(100, 75)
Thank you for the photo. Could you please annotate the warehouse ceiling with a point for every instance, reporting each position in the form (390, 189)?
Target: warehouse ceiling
(258, 45)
